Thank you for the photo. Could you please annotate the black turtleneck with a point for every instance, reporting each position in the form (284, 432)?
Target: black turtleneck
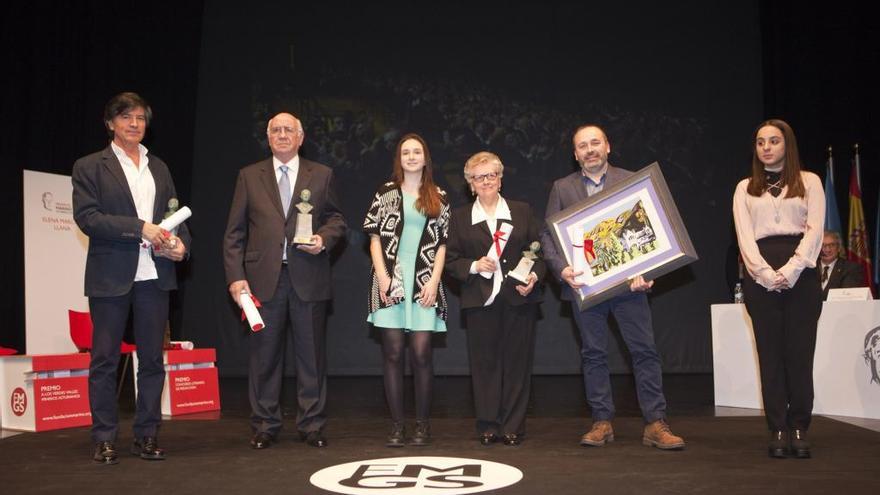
(773, 178)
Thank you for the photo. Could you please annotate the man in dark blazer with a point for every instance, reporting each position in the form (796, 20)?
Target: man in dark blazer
(836, 272)
(292, 281)
(119, 196)
(633, 315)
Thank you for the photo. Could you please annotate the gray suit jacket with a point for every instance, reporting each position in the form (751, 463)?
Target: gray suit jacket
(566, 192)
(257, 228)
(104, 210)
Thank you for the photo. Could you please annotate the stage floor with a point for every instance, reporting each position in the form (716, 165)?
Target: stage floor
(726, 448)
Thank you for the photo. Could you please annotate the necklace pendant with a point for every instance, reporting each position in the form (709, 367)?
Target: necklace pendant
(776, 217)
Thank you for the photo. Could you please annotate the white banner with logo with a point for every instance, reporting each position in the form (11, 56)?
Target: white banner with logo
(54, 263)
(417, 475)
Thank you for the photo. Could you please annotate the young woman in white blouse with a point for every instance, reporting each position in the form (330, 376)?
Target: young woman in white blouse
(779, 212)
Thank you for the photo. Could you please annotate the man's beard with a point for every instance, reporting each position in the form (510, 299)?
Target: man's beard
(593, 169)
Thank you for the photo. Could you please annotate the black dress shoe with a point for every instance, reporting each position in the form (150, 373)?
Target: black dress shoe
(313, 438)
(262, 440)
(105, 453)
(512, 439)
(488, 438)
(778, 446)
(147, 448)
(397, 437)
(800, 447)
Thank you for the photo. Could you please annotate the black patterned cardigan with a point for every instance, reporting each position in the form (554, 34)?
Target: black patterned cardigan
(385, 219)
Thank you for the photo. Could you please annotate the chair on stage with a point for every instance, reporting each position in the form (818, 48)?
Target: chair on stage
(6, 351)
(81, 334)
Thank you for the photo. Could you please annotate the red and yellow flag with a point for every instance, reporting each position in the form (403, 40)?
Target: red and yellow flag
(857, 250)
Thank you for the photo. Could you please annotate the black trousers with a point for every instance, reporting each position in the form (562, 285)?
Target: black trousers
(148, 305)
(266, 360)
(501, 348)
(785, 334)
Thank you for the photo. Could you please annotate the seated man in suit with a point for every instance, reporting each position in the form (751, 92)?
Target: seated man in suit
(836, 272)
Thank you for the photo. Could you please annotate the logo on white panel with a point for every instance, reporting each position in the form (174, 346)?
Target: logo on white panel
(416, 475)
(872, 354)
(48, 201)
(50, 204)
(18, 401)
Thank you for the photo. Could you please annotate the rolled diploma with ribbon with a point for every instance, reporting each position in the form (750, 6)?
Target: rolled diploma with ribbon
(500, 237)
(172, 222)
(255, 321)
(184, 345)
(579, 257)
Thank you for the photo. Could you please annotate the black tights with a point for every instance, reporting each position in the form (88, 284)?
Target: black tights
(393, 346)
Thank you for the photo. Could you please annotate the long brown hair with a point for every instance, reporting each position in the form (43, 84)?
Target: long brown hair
(429, 197)
(791, 171)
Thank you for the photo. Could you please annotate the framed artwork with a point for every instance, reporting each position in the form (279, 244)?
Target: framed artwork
(629, 229)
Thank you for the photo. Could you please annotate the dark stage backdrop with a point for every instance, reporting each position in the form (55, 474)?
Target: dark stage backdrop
(60, 63)
(679, 83)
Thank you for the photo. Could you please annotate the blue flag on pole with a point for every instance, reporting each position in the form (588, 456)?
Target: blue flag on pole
(832, 217)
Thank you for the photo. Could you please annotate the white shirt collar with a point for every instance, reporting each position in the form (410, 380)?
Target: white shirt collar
(478, 214)
(830, 265)
(120, 153)
(293, 164)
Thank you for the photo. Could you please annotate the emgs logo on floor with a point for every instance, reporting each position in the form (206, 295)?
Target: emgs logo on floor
(416, 475)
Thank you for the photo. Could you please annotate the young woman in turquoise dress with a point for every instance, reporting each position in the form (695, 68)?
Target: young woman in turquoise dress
(407, 223)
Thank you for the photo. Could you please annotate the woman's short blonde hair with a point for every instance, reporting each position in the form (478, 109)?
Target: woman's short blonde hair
(482, 158)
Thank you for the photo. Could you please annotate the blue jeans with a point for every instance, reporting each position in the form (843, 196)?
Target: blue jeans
(633, 316)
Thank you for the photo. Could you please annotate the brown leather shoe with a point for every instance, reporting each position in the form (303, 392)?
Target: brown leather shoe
(658, 434)
(600, 434)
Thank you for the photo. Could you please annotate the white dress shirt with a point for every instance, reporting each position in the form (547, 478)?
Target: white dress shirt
(830, 269)
(478, 214)
(143, 192)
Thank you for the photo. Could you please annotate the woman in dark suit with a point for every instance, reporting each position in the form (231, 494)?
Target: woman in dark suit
(487, 240)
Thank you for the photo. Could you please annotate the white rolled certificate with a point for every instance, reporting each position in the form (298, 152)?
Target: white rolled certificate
(505, 229)
(172, 222)
(580, 263)
(176, 218)
(255, 321)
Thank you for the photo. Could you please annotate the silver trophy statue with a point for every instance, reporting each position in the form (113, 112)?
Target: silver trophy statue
(303, 234)
(524, 267)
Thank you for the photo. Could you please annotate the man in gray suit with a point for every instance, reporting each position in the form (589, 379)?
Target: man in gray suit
(292, 281)
(119, 196)
(633, 315)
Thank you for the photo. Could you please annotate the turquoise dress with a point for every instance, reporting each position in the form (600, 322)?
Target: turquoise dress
(409, 314)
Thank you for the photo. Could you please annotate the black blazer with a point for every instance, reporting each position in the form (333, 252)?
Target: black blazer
(104, 210)
(256, 230)
(844, 275)
(469, 242)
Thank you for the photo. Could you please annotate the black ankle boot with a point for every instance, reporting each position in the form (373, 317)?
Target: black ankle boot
(778, 446)
(397, 437)
(800, 447)
(422, 435)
